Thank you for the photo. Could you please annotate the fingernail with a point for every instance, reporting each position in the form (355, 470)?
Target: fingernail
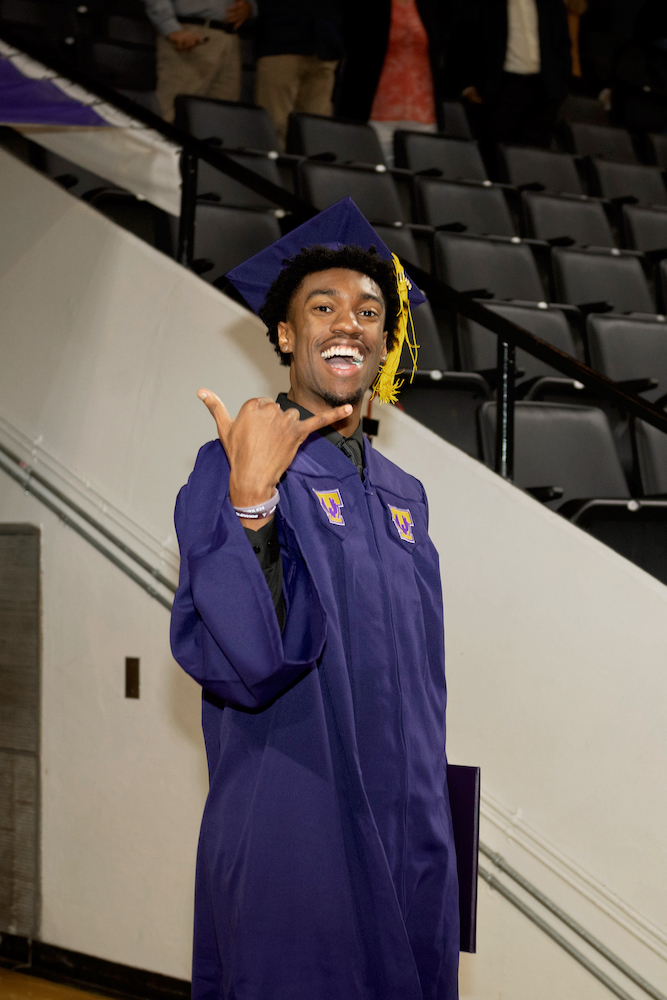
(202, 394)
(348, 409)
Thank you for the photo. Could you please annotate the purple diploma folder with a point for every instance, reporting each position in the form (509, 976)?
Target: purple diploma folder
(464, 783)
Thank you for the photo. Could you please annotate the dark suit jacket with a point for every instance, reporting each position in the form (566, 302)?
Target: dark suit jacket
(479, 40)
(299, 27)
(366, 36)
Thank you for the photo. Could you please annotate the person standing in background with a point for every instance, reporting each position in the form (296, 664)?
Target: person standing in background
(405, 96)
(513, 65)
(298, 45)
(198, 49)
(575, 10)
(394, 52)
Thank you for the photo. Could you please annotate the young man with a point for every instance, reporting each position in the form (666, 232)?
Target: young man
(310, 610)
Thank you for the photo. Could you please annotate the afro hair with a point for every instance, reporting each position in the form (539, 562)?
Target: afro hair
(319, 258)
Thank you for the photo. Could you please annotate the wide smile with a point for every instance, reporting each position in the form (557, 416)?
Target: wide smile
(343, 360)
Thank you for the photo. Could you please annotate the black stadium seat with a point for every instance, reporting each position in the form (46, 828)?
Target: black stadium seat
(504, 268)
(234, 125)
(41, 22)
(572, 448)
(626, 348)
(628, 180)
(348, 142)
(475, 208)
(212, 185)
(662, 283)
(615, 277)
(632, 351)
(560, 445)
(374, 194)
(478, 346)
(136, 215)
(129, 29)
(659, 148)
(612, 144)
(645, 228)
(226, 237)
(120, 65)
(556, 172)
(431, 355)
(444, 401)
(651, 445)
(580, 219)
(456, 159)
(400, 241)
(456, 124)
(577, 108)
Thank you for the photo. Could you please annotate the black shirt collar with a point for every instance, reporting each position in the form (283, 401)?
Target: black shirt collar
(352, 446)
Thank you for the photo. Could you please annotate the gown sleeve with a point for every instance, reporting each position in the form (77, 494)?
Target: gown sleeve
(224, 628)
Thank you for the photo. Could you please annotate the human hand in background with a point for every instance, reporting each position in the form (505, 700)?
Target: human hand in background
(239, 13)
(261, 443)
(471, 94)
(185, 40)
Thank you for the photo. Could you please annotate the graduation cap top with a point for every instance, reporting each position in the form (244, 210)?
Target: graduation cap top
(336, 227)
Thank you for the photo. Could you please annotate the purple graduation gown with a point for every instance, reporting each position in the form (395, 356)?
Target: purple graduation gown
(326, 866)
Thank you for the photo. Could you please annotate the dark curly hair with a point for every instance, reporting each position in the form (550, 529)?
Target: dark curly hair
(319, 258)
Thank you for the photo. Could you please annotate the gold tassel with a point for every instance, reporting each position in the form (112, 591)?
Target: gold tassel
(386, 384)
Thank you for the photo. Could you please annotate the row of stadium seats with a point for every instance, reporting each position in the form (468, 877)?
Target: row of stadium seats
(594, 279)
(532, 239)
(111, 41)
(239, 126)
(570, 446)
(394, 197)
(505, 267)
(444, 185)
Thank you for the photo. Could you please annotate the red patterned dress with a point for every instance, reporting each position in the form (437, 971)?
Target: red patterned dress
(405, 90)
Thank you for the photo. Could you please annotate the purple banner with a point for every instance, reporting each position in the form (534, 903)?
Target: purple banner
(24, 101)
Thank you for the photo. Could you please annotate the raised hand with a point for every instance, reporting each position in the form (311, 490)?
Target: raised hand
(261, 443)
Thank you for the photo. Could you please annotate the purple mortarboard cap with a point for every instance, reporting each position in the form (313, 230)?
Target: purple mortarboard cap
(336, 227)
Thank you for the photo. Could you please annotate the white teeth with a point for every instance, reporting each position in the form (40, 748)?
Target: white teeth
(343, 352)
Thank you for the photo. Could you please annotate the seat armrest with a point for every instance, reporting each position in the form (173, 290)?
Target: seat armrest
(201, 265)
(638, 384)
(540, 386)
(545, 493)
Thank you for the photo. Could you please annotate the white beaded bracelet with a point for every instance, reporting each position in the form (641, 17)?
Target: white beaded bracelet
(261, 510)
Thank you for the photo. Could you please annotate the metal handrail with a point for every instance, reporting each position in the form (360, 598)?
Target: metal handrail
(565, 918)
(535, 918)
(508, 333)
(24, 479)
(32, 473)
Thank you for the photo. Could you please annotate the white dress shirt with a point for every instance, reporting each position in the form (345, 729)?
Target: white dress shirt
(523, 38)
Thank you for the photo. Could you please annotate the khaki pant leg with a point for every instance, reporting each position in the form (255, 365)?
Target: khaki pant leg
(316, 86)
(276, 88)
(226, 83)
(186, 72)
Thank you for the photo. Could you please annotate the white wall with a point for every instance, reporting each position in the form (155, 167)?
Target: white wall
(556, 646)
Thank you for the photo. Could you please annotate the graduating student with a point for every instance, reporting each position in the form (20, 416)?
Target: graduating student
(309, 609)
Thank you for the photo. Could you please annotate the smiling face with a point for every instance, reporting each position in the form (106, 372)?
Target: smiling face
(335, 332)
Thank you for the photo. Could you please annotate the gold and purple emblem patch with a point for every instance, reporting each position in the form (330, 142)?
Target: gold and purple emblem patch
(331, 503)
(403, 521)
